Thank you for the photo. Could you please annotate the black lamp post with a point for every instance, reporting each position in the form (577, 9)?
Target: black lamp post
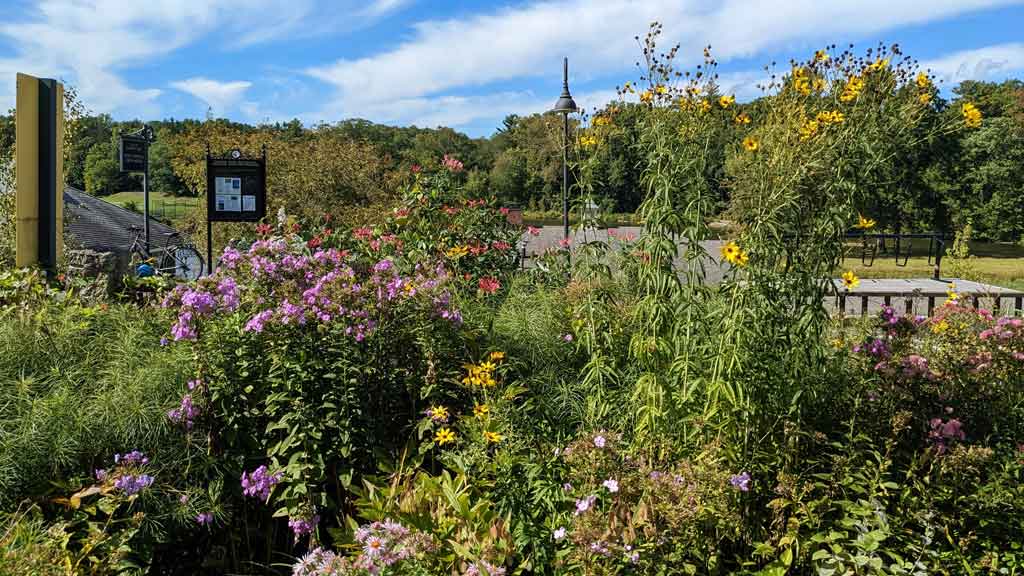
(565, 106)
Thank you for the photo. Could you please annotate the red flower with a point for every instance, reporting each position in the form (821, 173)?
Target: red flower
(565, 242)
(416, 168)
(501, 245)
(478, 249)
(401, 212)
(489, 285)
(315, 242)
(362, 233)
(451, 210)
(263, 229)
(504, 211)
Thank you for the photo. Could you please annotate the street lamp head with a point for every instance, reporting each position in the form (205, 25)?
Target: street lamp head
(565, 104)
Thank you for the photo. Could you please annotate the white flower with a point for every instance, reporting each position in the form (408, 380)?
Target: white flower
(560, 533)
(611, 485)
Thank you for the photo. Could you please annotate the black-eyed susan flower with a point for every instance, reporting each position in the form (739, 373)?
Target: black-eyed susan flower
(444, 436)
(972, 116)
(733, 254)
(742, 119)
(865, 223)
(923, 81)
(481, 410)
(726, 101)
(492, 437)
(850, 280)
(924, 97)
(750, 144)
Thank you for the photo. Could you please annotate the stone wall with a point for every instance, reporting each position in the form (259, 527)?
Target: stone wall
(107, 269)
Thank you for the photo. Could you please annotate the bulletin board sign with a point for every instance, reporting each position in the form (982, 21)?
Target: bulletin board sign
(236, 188)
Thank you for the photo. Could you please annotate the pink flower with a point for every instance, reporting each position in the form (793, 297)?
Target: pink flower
(504, 211)
(501, 245)
(611, 485)
(451, 163)
(533, 230)
(416, 168)
(565, 242)
(489, 285)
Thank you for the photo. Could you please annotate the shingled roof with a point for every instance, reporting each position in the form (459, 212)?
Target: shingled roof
(98, 225)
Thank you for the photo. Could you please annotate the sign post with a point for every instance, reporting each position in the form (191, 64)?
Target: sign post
(39, 139)
(133, 155)
(236, 191)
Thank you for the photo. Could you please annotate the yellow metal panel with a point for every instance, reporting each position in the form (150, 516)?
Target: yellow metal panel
(26, 133)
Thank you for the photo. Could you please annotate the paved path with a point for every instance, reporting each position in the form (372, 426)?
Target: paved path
(868, 297)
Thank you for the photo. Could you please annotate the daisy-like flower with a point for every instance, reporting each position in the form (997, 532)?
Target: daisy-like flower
(972, 116)
(750, 144)
(492, 437)
(726, 101)
(444, 436)
(850, 280)
(481, 410)
(559, 533)
(438, 413)
(865, 223)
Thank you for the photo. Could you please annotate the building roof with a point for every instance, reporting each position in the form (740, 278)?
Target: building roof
(99, 225)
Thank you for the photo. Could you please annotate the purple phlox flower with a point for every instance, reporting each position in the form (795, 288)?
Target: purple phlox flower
(383, 266)
(567, 337)
(230, 257)
(101, 475)
(185, 413)
(567, 487)
(942, 431)
(131, 484)
(599, 548)
(584, 504)
(611, 485)
(303, 526)
(257, 322)
(183, 328)
(740, 481)
(183, 499)
(292, 312)
(164, 341)
(599, 441)
(192, 384)
(656, 475)
(259, 482)
(204, 518)
(227, 289)
(915, 365)
(133, 458)
(559, 533)
(200, 302)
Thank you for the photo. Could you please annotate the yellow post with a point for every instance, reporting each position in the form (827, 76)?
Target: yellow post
(26, 165)
(31, 177)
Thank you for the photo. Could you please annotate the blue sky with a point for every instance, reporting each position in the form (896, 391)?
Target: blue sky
(458, 63)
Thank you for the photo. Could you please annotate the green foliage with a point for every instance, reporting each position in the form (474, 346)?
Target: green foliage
(101, 170)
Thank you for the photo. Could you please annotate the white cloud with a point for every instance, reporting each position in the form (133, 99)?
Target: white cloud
(92, 42)
(989, 63)
(220, 96)
(529, 40)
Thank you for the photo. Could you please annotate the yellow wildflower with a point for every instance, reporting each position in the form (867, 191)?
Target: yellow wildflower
(951, 293)
(661, 89)
(742, 118)
(742, 259)
(492, 437)
(496, 355)
(733, 254)
(705, 106)
(588, 141)
(833, 117)
(647, 97)
(799, 72)
(726, 101)
(821, 56)
(628, 87)
(602, 120)
(865, 223)
(481, 410)
(802, 85)
(808, 130)
(487, 366)
(438, 413)
(444, 436)
(879, 64)
(819, 84)
(940, 327)
(457, 251)
(923, 81)
(924, 97)
(850, 280)
(750, 144)
(972, 116)
(853, 88)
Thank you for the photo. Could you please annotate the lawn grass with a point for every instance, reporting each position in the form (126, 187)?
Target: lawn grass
(1001, 264)
(161, 205)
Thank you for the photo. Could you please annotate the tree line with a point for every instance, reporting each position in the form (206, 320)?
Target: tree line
(975, 176)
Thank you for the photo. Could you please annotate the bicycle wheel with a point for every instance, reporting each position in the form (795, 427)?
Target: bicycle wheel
(184, 262)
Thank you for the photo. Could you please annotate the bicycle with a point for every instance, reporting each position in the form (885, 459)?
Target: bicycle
(178, 258)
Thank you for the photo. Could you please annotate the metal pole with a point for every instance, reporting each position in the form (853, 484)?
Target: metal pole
(145, 205)
(209, 245)
(565, 177)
